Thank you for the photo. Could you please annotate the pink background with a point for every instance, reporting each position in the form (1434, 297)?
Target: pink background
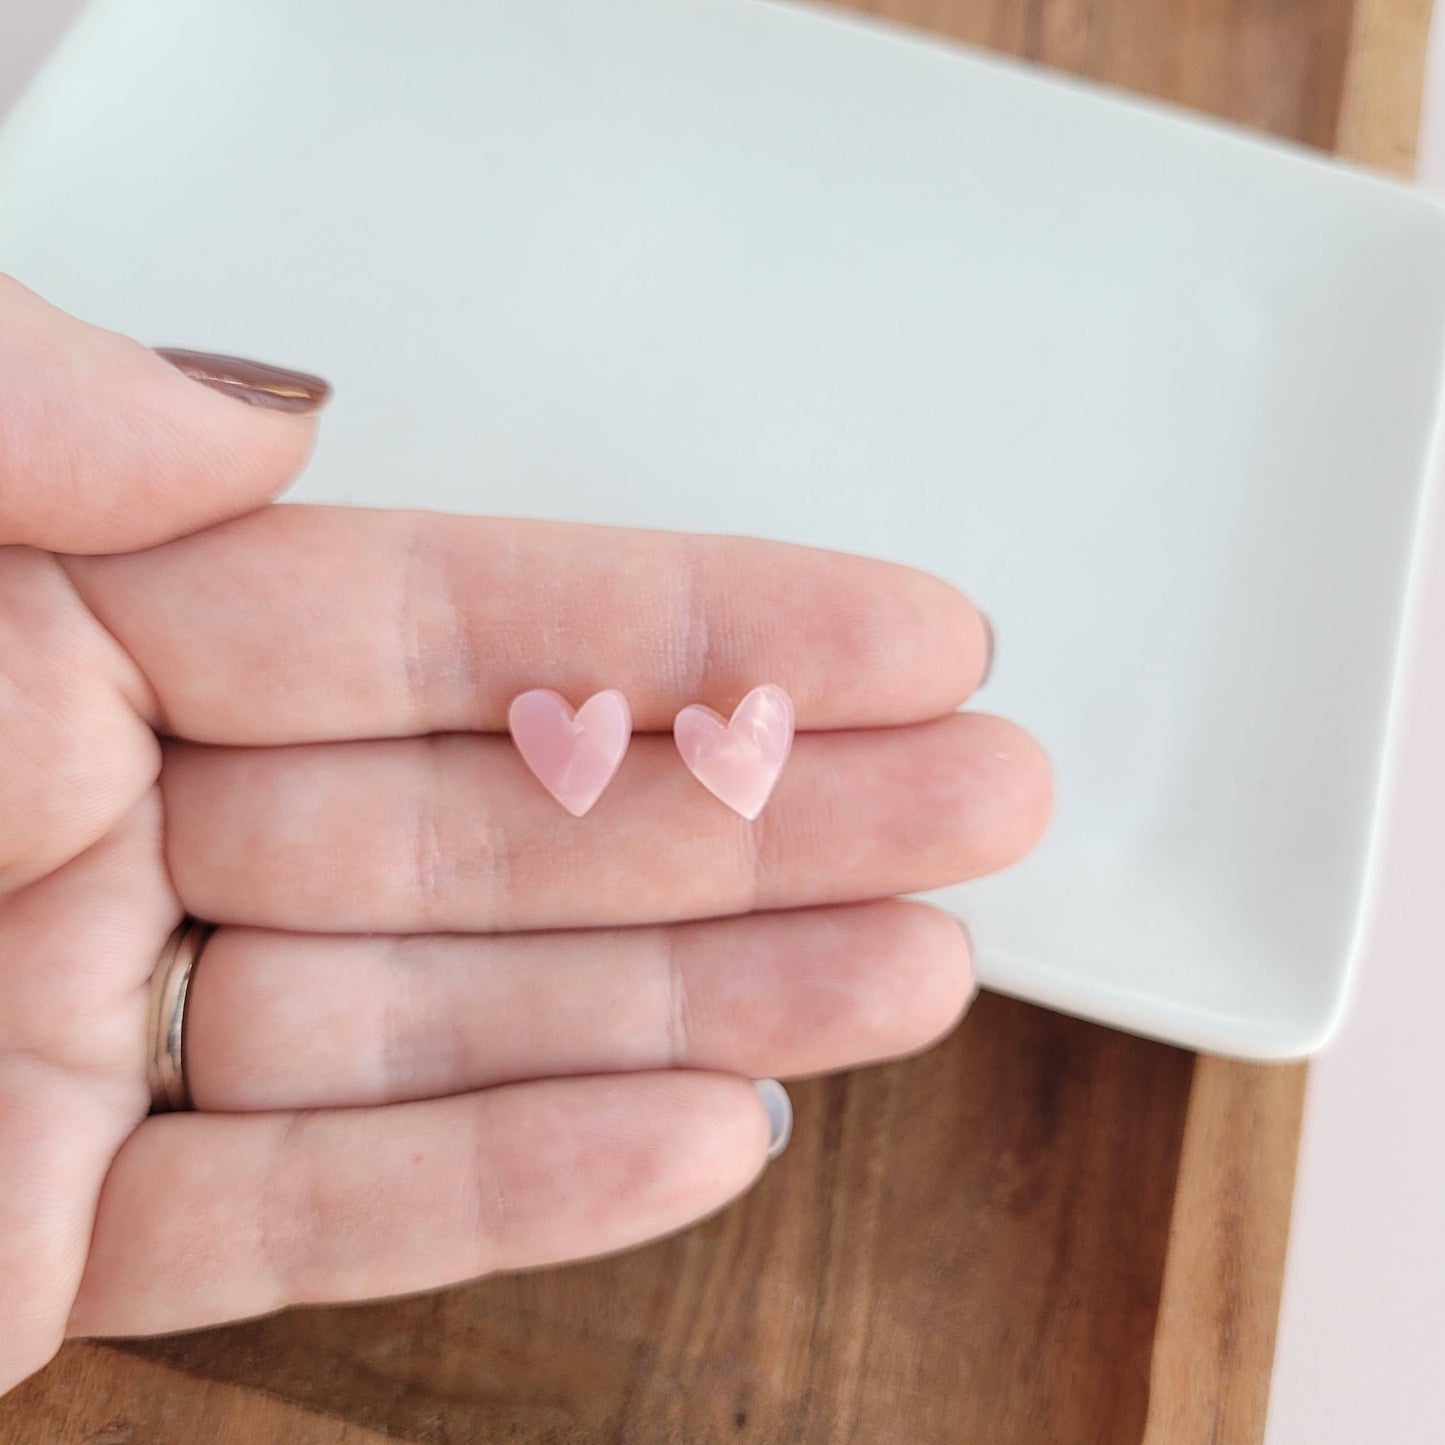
(1362, 1332)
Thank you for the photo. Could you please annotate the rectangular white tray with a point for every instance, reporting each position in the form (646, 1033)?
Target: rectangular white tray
(1160, 396)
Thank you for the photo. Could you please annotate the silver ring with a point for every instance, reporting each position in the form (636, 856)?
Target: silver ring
(170, 984)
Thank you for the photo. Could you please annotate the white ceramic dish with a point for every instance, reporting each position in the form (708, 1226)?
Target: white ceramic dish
(1162, 397)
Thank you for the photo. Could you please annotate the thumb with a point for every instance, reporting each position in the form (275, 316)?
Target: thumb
(107, 446)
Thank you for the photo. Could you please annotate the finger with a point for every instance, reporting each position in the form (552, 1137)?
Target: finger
(206, 1218)
(453, 834)
(290, 1021)
(308, 624)
(105, 446)
(56, 1133)
(75, 951)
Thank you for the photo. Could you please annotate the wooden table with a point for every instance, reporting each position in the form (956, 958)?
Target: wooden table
(1041, 1232)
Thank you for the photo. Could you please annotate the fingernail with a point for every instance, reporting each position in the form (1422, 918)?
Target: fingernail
(780, 1114)
(967, 932)
(273, 387)
(987, 647)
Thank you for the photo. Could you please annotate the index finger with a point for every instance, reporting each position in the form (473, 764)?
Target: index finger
(309, 624)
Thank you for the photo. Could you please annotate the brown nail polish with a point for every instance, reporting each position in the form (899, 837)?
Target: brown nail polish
(255, 383)
(987, 648)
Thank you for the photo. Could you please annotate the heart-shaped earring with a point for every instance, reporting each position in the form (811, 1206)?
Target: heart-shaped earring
(574, 755)
(738, 759)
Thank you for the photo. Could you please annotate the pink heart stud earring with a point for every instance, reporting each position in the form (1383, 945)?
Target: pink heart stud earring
(739, 759)
(574, 755)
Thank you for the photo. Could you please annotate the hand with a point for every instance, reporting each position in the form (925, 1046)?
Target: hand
(409, 1063)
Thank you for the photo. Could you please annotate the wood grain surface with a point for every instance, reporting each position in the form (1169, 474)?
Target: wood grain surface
(1214, 1337)
(1043, 1231)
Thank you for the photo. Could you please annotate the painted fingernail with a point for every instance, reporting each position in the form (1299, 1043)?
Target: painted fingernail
(988, 646)
(780, 1114)
(276, 388)
(967, 932)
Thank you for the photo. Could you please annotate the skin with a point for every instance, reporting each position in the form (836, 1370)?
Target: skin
(401, 1018)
